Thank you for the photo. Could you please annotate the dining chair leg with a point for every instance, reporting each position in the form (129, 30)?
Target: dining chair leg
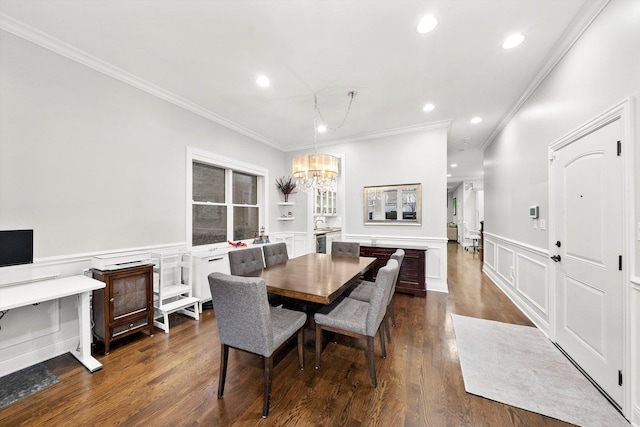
(383, 346)
(318, 344)
(393, 313)
(268, 372)
(224, 357)
(372, 367)
(301, 348)
(385, 324)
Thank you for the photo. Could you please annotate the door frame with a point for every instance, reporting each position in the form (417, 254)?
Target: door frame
(624, 111)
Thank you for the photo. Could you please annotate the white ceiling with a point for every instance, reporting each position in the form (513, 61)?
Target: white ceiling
(206, 55)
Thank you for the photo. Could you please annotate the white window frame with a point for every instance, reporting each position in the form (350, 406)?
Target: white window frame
(229, 165)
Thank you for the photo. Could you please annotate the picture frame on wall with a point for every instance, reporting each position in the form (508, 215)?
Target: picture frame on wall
(454, 205)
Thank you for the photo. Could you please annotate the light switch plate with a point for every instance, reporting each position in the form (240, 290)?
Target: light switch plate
(543, 224)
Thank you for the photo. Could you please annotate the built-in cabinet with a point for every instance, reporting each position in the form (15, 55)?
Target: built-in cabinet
(325, 203)
(412, 271)
(332, 237)
(205, 263)
(125, 305)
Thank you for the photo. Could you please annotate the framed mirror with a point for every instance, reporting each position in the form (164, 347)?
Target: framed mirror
(393, 205)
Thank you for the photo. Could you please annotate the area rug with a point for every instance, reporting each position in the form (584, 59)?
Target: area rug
(519, 366)
(24, 383)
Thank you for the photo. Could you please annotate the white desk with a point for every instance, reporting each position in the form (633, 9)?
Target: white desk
(31, 293)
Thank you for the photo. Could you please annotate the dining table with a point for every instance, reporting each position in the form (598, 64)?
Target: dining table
(314, 277)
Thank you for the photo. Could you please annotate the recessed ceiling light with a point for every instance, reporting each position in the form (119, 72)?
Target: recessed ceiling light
(263, 81)
(448, 175)
(512, 41)
(454, 165)
(427, 24)
(428, 107)
(476, 120)
(322, 128)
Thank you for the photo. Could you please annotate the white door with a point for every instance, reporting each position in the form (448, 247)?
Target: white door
(586, 189)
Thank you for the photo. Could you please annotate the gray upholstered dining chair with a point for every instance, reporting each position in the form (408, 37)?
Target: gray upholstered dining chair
(275, 253)
(364, 290)
(243, 261)
(351, 249)
(247, 322)
(358, 319)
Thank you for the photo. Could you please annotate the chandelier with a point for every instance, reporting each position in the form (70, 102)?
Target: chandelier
(318, 170)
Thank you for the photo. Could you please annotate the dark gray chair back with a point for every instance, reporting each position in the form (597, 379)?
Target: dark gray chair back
(242, 312)
(243, 261)
(246, 322)
(398, 255)
(351, 249)
(380, 296)
(275, 253)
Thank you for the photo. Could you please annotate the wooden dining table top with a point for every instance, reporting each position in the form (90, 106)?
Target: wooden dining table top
(319, 278)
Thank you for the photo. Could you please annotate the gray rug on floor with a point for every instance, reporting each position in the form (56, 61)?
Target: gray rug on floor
(519, 366)
(24, 383)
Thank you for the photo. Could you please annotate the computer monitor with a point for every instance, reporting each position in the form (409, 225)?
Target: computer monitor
(16, 247)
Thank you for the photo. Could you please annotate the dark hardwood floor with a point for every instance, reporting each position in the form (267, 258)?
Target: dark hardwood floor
(172, 379)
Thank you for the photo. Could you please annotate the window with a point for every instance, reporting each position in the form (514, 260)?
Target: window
(225, 199)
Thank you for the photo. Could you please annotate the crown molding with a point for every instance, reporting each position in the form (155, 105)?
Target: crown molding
(44, 40)
(443, 124)
(589, 12)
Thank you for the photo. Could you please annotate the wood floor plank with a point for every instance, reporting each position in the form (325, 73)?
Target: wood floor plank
(171, 379)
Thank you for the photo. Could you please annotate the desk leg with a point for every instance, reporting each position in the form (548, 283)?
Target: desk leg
(83, 353)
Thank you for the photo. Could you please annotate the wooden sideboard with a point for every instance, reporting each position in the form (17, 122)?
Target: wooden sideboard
(412, 270)
(125, 305)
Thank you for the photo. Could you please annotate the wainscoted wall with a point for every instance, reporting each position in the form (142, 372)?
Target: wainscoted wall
(521, 272)
(635, 347)
(36, 333)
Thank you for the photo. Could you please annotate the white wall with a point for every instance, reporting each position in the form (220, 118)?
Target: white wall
(93, 165)
(601, 70)
(419, 157)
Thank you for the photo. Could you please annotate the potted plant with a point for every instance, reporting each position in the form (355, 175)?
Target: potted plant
(286, 185)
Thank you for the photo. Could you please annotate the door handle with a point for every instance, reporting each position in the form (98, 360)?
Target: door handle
(556, 258)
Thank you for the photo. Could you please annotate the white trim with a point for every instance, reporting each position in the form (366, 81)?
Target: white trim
(531, 315)
(588, 14)
(625, 112)
(536, 250)
(227, 163)
(543, 309)
(46, 41)
(381, 134)
(33, 35)
(511, 280)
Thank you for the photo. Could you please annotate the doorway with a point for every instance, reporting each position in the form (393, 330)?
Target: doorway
(586, 245)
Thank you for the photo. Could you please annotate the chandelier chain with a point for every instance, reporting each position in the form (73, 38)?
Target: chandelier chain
(351, 95)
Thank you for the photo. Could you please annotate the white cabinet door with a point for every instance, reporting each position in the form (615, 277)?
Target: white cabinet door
(205, 264)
